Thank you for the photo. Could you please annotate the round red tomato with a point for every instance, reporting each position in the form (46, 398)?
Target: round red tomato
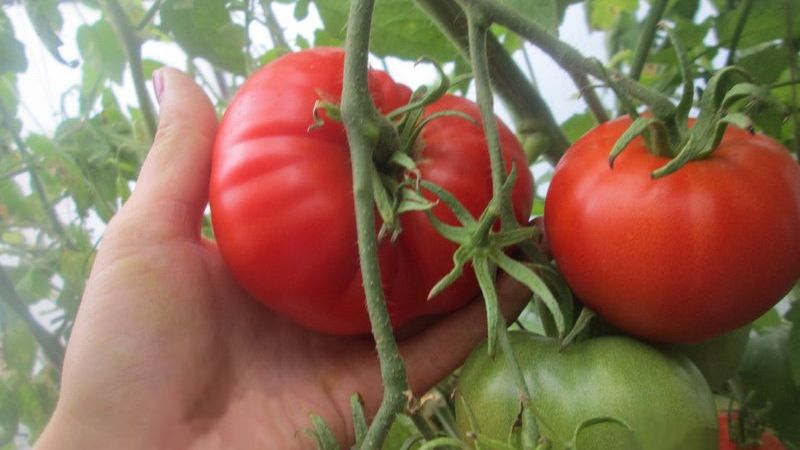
(685, 257)
(282, 197)
(767, 441)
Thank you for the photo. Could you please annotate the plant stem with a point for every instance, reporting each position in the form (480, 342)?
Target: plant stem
(647, 37)
(741, 19)
(480, 69)
(590, 97)
(50, 345)
(477, 31)
(274, 28)
(148, 16)
(522, 97)
(568, 57)
(789, 43)
(364, 125)
(133, 49)
(36, 182)
(528, 411)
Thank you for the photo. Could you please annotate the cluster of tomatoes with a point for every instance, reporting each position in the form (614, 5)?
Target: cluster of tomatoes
(679, 259)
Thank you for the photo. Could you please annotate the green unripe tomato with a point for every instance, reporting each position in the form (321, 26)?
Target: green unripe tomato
(661, 396)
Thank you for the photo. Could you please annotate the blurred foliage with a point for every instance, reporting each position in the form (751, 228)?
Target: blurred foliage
(58, 188)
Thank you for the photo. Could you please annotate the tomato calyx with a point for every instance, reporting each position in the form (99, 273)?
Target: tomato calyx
(668, 133)
(480, 244)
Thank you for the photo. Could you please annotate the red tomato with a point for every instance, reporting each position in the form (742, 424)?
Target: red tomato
(685, 257)
(767, 441)
(282, 198)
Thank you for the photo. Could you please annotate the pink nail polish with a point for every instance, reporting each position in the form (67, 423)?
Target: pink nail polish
(158, 84)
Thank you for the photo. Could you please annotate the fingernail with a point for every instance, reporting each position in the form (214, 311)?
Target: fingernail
(158, 84)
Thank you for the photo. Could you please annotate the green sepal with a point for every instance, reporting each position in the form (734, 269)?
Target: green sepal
(584, 319)
(687, 95)
(424, 96)
(322, 434)
(460, 257)
(637, 128)
(332, 110)
(385, 205)
(412, 200)
(512, 237)
(461, 213)
(532, 281)
(458, 235)
(483, 273)
(359, 418)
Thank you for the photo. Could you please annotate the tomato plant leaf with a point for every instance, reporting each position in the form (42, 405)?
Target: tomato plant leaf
(765, 371)
(203, 28)
(578, 125)
(101, 51)
(603, 14)
(47, 21)
(766, 22)
(399, 29)
(543, 12)
(13, 51)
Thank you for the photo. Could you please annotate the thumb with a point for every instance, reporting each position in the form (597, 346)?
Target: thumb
(172, 190)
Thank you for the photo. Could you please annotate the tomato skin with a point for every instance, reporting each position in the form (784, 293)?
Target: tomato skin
(282, 198)
(768, 440)
(660, 395)
(685, 257)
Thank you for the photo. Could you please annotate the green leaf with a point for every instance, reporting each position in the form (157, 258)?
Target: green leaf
(9, 99)
(37, 399)
(301, 9)
(9, 414)
(766, 63)
(149, 66)
(767, 321)
(793, 315)
(543, 12)
(577, 125)
(35, 284)
(684, 9)
(399, 29)
(19, 346)
(603, 14)
(766, 372)
(101, 51)
(203, 28)
(766, 22)
(403, 431)
(13, 59)
(47, 21)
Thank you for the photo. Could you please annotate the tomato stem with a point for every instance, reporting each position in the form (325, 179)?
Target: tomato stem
(133, 49)
(521, 97)
(567, 56)
(477, 32)
(366, 132)
(647, 37)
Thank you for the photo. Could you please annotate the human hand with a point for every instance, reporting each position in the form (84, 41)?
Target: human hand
(168, 352)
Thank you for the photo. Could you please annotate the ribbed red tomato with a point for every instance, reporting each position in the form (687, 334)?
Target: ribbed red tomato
(681, 258)
(282, 197)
